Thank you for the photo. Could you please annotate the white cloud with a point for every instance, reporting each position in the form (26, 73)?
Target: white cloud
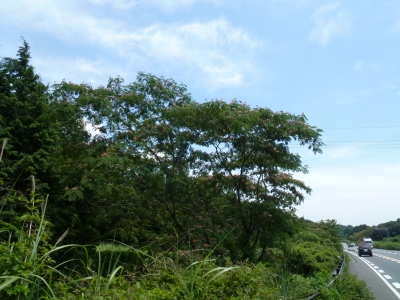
(357, 194)
(365, 92)
(173, 4)
(119, 4)
(396, 27)
(294, 2)
(226, 76)
(358, 65)
(93, 130)
(329, 23)
(362, 65)
(339, 153)
(216, 51)
(331, 153)
(353, 95)
(163, 4)
(96, 72)
(346, 97)
(215, 48)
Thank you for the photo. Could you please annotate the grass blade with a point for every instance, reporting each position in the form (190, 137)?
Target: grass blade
(111, 277)
(8, 282)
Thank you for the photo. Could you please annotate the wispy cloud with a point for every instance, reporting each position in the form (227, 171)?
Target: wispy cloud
(362, 65)
(294, 2)
(347, 97)
(396, 27)
(218, 52)
(215, 48)
(358, 65)
(339, 153)
(119, 4)
(330, 22)
(163, 4)
(366, 92)
(78, 69)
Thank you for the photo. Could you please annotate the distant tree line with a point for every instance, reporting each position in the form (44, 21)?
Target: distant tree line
(354, 233)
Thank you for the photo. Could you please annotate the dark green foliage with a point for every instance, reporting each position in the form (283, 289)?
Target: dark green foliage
(199, 196)
(26, 257)
(314, 249)
(41, 139)
(391, 228)
(394, 244)
(32, 138)
(346, 231)
(347, 287)
(167, 165)
(24, 248)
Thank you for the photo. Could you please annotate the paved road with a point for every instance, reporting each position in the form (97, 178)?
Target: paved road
(381, 272)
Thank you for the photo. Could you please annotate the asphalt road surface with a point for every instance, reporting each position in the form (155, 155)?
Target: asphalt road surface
(381, 272)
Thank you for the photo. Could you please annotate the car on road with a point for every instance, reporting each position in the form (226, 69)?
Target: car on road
(351, 247)
(365, 250)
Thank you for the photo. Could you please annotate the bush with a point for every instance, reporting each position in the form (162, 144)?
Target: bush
(347, 287)
(387, 246)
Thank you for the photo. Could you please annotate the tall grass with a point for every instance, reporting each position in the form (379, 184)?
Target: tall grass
(31, 273)
(26, 264)
(23, 262)
(115, 270)
(101, 275)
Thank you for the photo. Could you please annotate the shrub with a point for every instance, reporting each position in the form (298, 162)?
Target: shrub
(347, 287)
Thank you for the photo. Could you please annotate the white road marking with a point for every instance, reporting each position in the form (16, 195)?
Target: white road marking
(387, 276)
(376, 267)
(381, 271)
(396, 285)
(384, 280)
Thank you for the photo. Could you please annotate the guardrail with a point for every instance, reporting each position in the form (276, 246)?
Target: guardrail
(336, 272)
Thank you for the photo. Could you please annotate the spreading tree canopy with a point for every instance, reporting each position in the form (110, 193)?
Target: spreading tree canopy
(159, 166)
(195, 169)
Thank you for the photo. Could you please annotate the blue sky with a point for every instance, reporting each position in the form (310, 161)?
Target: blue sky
(336, 61)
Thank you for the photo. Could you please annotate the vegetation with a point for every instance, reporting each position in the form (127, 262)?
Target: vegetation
(168, 199)
(385, 235)
(352, 287)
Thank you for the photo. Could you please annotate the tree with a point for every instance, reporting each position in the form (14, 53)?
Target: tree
(43, 139)
(23, 122)
(248, 149)
(198, 170)
(31, 139)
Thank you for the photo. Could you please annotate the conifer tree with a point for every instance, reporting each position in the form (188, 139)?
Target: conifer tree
(31, 136)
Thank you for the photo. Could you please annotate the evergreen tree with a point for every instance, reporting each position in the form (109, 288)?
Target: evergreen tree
(23, 122)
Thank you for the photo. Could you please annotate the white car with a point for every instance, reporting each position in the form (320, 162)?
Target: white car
(351, 247)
